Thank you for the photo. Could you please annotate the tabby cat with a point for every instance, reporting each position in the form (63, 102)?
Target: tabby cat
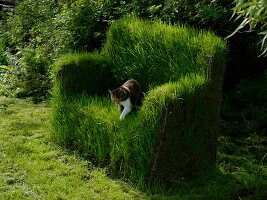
(127, 96)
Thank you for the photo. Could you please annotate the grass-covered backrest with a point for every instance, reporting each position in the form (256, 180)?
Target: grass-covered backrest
(156, 53)
(174, 133)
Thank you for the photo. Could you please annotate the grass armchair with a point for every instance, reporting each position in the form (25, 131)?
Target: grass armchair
(174, 133)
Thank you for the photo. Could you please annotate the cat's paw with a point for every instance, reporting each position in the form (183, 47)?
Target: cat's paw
(122, 117)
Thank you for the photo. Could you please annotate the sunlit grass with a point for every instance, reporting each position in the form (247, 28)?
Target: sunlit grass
(31, 167)
(156, 53)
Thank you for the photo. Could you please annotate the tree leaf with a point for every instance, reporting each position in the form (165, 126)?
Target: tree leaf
(241, 25)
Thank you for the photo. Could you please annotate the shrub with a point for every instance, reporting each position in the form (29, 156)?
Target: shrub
(25, 35)
(39, 32)
(205, 13)
(53, 28)
(31, 22)
(180, 109)
(3, 57)
(56, 27)
(78, 23)
(27, 75)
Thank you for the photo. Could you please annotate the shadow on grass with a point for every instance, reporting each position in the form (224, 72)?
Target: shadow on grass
(218, 184)
(240, 173)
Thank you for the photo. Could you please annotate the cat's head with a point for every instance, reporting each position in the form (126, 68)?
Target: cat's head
(118, 95)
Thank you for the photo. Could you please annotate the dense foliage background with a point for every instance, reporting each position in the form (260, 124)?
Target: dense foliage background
(37, 32)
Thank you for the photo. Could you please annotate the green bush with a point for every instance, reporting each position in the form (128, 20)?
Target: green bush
(181, 92)
(78, 22)
(205, 13)
(3, 58)
(53, 28)
(56, 27)
(26, 75)
(31, 23)
(26, 34)
(37, 33)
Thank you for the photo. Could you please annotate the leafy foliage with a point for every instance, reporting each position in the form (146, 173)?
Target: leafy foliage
(205, 13)
(254, 13)
(53, 28)
(31, 23)
(28, 58)
(39, 32)
(27, 75)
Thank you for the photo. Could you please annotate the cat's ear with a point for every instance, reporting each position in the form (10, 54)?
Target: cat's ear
(110, 92)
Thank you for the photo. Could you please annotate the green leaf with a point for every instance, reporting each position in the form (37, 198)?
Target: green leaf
(264, 38)
(241, 25)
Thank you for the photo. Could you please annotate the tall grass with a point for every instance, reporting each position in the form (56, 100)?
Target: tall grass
(173, 134)
(156, 53)
(91, 125)
(83, 73)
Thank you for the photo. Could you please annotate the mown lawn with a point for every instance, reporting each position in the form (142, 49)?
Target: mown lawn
(33, 167)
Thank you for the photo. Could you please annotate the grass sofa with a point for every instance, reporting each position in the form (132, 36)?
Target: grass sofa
(173, 134)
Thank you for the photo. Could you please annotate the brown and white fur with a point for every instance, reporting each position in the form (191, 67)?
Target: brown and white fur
(127, 96)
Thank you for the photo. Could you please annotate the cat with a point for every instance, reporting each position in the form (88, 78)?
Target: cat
(127, 96)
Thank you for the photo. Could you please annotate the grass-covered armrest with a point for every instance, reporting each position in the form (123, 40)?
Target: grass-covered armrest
(174, 133)
(88, 73)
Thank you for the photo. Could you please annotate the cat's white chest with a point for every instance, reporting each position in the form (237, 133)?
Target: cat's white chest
(126, 103)
(127, 108)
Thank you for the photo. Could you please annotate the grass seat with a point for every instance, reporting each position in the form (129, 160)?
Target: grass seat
(174, 133)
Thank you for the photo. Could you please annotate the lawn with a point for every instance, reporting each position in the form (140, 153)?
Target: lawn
(33, 167)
